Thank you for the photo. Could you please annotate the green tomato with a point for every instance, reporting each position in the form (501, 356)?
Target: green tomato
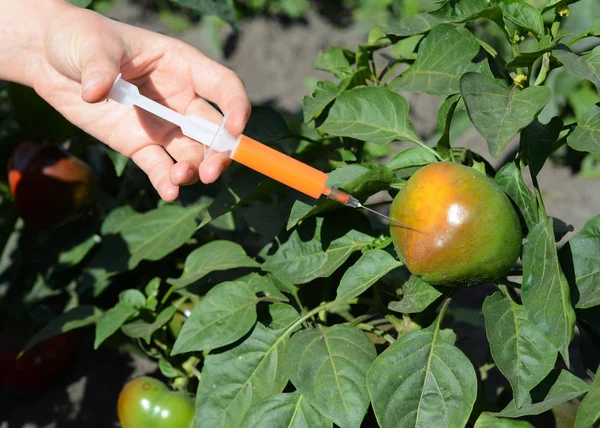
(183, 313)
(146, 402)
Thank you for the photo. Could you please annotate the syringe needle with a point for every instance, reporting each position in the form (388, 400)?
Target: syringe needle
(389, 218)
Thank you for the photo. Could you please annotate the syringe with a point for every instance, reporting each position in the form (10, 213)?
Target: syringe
(243, 149)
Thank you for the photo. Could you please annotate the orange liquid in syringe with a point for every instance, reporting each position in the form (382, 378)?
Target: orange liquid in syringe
(281, 167)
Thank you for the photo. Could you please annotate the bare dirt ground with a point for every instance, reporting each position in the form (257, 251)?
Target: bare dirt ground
(274, 59)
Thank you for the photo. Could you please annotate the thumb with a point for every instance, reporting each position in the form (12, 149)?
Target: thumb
(98, 73)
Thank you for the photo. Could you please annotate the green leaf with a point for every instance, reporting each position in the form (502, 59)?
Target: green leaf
(118, 160)
(486, 420)
(224, 9)
(412, 157)
(545, 290)
(444, 56)
(510, 180)
(523, 15)
(417, 295)
(285, 410)
(317, 248)
(115, 219)
(226, 313)
(528, 57)
(373, 114)
(585, 251)
(456, 11)
(132, 297)
(521, 352)
(336, 61)
(234, 380)
(595, 28)
(214, 256)
(422, 379)
(153, 235)
(371, 266)
(588, 413)
(498, 112)
(444, 121)
(76, 254)
(538, 140)
(362, 185)
(328, 365)
(553, 391)
(111, 321)
(586, 66)
(78, 317)
(145, 330)
(586, 136)
(328, 91)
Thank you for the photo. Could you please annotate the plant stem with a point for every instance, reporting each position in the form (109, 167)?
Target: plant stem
(167, 295)
(372, 329)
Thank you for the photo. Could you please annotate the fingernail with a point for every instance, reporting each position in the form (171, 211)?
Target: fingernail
(93, 81)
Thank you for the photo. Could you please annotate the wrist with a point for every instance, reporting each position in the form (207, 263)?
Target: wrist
(23, 32)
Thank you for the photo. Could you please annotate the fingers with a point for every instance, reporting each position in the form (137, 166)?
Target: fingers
(157, 164)
(221, 85)
(191, 163)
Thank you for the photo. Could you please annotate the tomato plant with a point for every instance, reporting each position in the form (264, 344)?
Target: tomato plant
(304, 313)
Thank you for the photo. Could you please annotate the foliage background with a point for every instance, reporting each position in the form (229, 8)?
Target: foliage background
(569, 197)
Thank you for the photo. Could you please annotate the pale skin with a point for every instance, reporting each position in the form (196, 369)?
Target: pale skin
(71, 57)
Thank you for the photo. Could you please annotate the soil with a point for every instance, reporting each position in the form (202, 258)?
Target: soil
(274, 58)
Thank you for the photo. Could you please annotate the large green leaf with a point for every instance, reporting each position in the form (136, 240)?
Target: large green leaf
(112, 320)
(226, 313)
(559, 387)
(455, 11)
(145, 329)
(510, 180)
(373, 114)
(214, 256)
(586, 136)
(237, 378)
(371, 267)
(521, 352)
(417, 295)
(585, 251)
(444, 56)
(328, 365)
(422, 380)
(588, 413)
(523, 15)
(289, 409)
(328, 91)
(545, 290)
(586, 66)
(336, 61)
(499, 112)
(412, 157)
(78, 317)
(317, 247)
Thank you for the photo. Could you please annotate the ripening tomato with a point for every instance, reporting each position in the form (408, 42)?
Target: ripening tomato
(470, 233)
(146, 402)
(38, 367)
(50, 186)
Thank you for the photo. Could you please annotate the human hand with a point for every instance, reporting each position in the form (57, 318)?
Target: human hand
(85, 51)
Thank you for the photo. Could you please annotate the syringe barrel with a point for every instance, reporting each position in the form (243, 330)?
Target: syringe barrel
(280, 167)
